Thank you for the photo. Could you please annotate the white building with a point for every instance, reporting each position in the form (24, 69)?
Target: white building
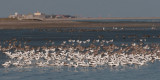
(38, 13)
(15, 15)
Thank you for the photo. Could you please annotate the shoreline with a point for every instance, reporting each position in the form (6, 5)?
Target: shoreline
(60, 23)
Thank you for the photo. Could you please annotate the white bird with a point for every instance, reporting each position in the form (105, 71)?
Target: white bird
(6, 64)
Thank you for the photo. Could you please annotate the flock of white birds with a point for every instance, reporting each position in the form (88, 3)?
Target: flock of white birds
(76, 53)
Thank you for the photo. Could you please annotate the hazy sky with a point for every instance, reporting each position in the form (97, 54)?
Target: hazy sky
(87, 8)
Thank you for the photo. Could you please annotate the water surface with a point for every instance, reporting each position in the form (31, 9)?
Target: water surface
(39, 37)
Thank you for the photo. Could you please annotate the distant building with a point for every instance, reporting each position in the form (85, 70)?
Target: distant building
(64, 16)
(50, 16)
(59, 16)
(39, 16)
(29, 16)
(15, 15)
(37, 13)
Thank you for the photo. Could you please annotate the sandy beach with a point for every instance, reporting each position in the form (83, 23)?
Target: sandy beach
(30, 24)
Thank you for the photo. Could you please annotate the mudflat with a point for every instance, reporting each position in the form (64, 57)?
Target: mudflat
(31, 24)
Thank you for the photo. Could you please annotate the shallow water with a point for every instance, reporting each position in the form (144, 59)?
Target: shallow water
(147, 72)
(39, 37)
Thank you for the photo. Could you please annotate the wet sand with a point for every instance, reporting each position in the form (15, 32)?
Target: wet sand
(30, 24)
